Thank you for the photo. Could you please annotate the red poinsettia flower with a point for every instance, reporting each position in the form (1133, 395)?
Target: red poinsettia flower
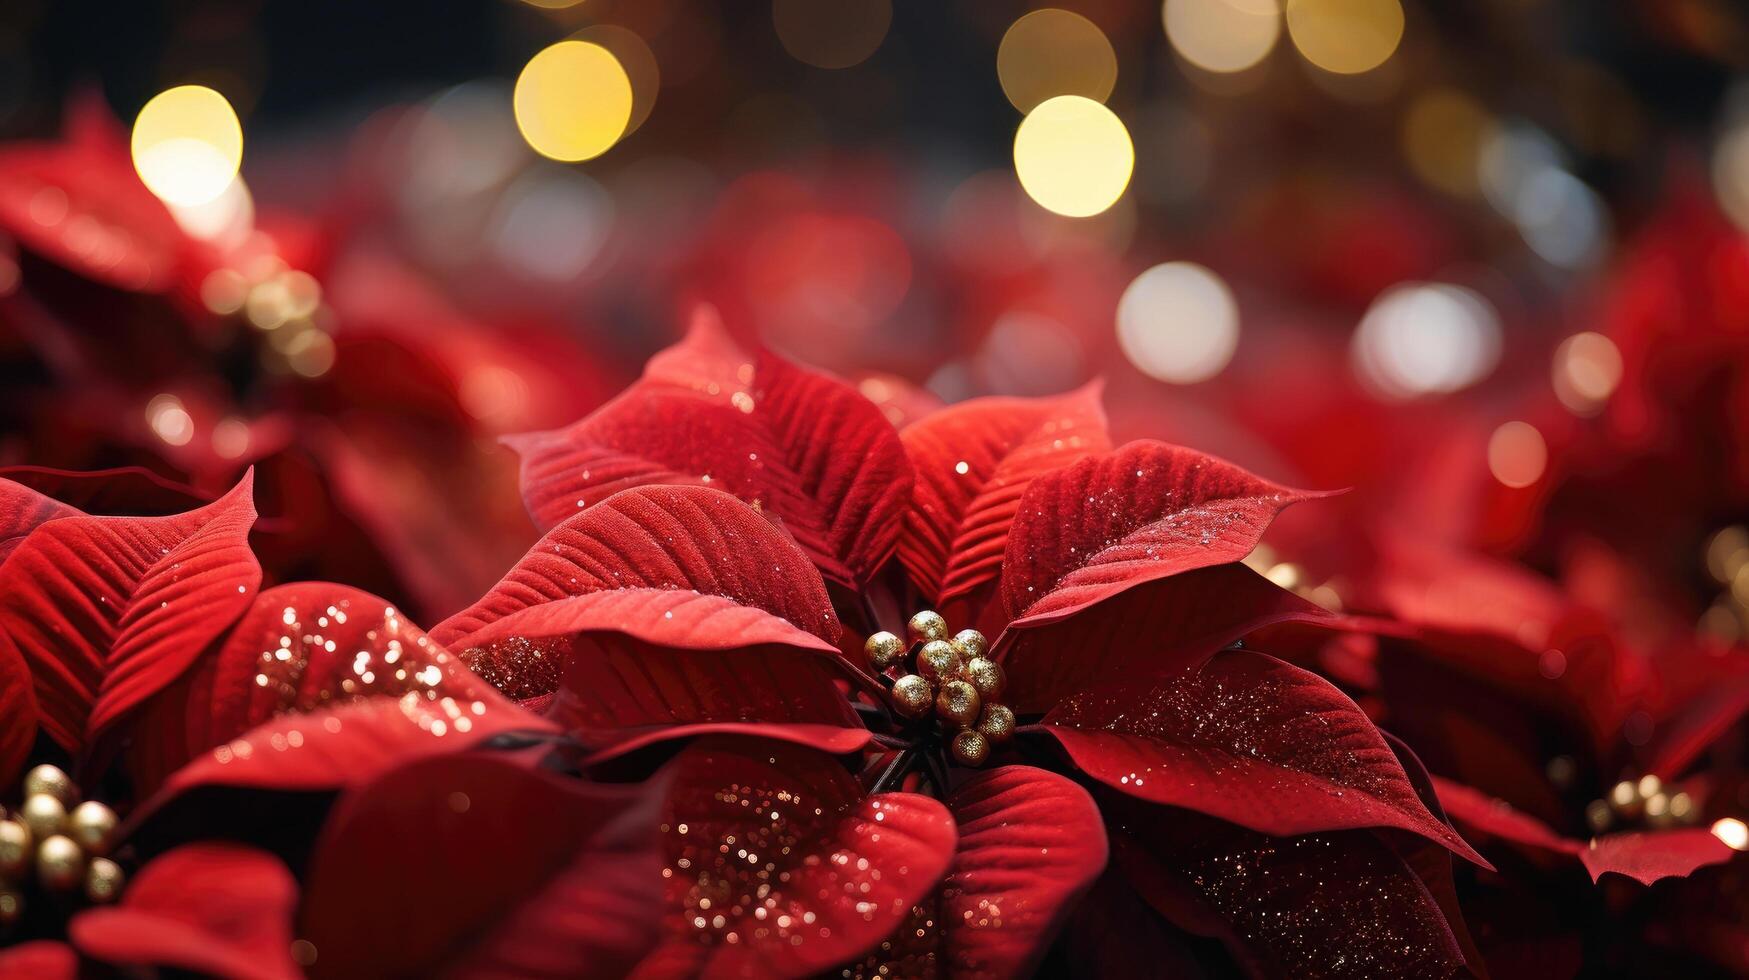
(1573, 755)
(142, 654)
(711, 532)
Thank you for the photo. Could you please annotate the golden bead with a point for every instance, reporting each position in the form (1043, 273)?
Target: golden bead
(11, 904)
(1599, 814)
(928, 625)
(986, 675)
(997, 724)
(103, 880)
(1649, 786)
(912, 696)
(90, 825)
(970, 748)
(15, 850)
(884, 650)
(937, 662)
(60, 864)
(970, 644)
(50, 781)
(958, 703)
(43, 814)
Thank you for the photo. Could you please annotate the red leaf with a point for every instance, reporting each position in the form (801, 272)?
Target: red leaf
(1031, 843)
(213, 908)
(41, 959)
(1160, 624)
(1498, 818)
(777, 866)
(346, 745)
(105, 225)
(1251, 740)
(298, 648)
(658, 546)
(1653, 855)
(1110, 522)
(84, 595)
(630, 694)
(21, 510)
(182, 604)
(807, 449)
(479, 867)
(1325, 905)
(973, 461)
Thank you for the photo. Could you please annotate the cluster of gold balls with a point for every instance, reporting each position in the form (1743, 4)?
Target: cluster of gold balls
(1644, 801)
(58, 840)
(952, 679)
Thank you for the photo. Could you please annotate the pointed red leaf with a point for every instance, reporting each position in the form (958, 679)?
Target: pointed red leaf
(1251, 740)
(1653, 855)
(1487, 815)
(81, 595)
(1154, 626)
(1148, 510)
(677, 540)
(334, 748)
(299, 648)
(807, 449)
(1324, 905)
(1031, 842)
(777, 866)
(180, 606)
(479, 867)
(212, 908)
(629, 694)
(973, 461)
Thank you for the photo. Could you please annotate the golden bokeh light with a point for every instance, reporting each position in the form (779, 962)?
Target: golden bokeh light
(187, 145)
(831, 33)
(573, 101)
(1517, 454)
(1073, 156)
(1587, 368)
(1053, 52)
(639, 63)
(1443, 134)
(1222, 36)
(1346, 37)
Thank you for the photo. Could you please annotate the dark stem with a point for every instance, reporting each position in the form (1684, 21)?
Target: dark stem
(895, 771)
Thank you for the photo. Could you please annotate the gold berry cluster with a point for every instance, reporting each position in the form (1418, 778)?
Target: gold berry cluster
(952, 679)
(59, 841)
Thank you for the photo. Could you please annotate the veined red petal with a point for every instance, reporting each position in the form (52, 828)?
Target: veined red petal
(142, 596)
(808, 449)
(685, 541)
(778, 866)
(1031, 843)
(1145, 511)
(1251, 740)
(1151, 627)
(973, 461)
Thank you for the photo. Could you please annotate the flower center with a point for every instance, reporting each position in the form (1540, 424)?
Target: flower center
(54, 845)
(948, 688)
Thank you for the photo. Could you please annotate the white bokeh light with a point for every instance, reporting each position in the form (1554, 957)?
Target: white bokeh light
(1426, 338)
(1178, 322)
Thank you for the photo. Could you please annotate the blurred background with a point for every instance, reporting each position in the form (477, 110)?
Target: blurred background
(1481, 261)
